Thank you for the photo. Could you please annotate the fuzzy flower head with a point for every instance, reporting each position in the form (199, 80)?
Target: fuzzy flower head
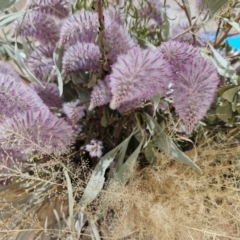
(6, 69)
(40, 62)
(38, 26)
(114, 14)
(49, 94)
(81, 56)
(59, 8)
(194, 90)
(82, 26)
(15, 96)
(138, 75)
(100, 95)
(39, 131)
(178, 53)
(74, 111)
(94, 148)
(118, 39)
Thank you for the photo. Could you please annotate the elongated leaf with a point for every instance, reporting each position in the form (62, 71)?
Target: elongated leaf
(166, 144)
(5, 4)
(97, 179)
(57, 58)
(124, 172)
(22, 65)
(9, 18)
(70, 199)
(214, 6)
(230, 94)
(233, 24)
(223, 66)
(94, 231)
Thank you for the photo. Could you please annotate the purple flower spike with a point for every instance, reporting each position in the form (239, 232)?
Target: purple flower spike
(138, 75)
(15, 96)
(194, 90)
(81, 56)
(6, 69)
(40, 61)
(118, 39)
(82, 26)
(49, 94)
(129, 106)
(59, 8)
(39, 131)
(38, 26)
(114, 14)
(74, 111)
(177, 53)
(100, 95)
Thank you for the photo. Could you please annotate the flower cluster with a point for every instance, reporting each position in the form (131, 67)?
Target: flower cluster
(26, 123)
(74, 111)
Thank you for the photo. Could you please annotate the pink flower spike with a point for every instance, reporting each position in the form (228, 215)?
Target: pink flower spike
(193, 91)
(38, 26)
(74, 111)
(100, 95)
(138, 75)
(81, 56)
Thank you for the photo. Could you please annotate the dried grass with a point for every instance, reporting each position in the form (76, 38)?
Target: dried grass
(173, 201)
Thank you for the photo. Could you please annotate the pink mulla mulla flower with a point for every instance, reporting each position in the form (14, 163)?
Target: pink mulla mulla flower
(38, 26)
(94, 148)
(74, 111)
(129, 106)
(15, 96)
(114, 14)
(118, 39)
(193, 91)
(39, 131)
(81, 26)
(100, 95)
(49, 94)
(138, 75)
(81, 56)
(59, 8)
(40, 62)
(177, 53)
(6, 69)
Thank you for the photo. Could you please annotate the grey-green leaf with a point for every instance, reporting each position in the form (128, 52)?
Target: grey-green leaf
(214, 6)
(230, 94)
(124, 172)
(9, 18)
(57, 58)
(166, 144)
(97, 179)
(5, 4)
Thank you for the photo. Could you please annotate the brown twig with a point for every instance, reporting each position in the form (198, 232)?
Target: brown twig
(184, 8)
(225, 33)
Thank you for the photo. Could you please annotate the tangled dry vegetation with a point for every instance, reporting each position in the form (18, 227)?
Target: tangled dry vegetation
(170, 201)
